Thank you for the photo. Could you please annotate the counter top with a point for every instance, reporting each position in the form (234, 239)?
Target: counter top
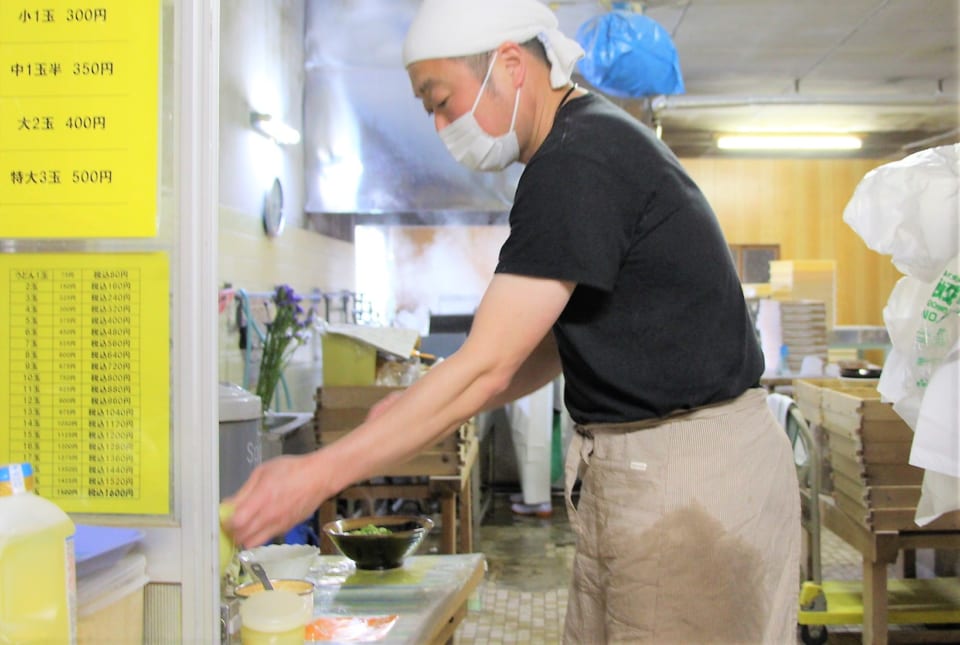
(428, 594)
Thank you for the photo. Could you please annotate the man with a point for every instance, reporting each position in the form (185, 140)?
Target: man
(616, 271)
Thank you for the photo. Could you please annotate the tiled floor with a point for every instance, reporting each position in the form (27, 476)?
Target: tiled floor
(523, 597)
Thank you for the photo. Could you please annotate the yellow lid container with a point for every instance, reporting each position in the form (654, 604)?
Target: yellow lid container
(273, 618)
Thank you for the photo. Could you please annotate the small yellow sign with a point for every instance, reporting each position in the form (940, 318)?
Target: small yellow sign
(84, 378)
(79, 128)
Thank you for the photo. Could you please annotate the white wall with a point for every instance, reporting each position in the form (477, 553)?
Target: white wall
(261, 69)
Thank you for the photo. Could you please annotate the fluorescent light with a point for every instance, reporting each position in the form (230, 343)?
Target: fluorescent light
(279, 131)
(789, 142)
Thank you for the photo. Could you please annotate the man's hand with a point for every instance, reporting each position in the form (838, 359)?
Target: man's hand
(279, 494)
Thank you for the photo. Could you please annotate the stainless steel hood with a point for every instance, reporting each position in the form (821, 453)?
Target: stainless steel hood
(886, 70)
(370, 147)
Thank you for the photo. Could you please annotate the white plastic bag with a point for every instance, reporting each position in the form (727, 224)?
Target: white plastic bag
(939, 324)
(936, 446)
(908, 209)
(923, 322)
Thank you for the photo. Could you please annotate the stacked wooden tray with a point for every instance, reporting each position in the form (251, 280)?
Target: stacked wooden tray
(340, 409)
(808, 393)
(869, 446)
(803, 324)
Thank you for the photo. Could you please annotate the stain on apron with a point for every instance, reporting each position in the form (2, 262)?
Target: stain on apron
(688, 530)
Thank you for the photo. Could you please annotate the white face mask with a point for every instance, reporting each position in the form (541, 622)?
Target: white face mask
(473, 147)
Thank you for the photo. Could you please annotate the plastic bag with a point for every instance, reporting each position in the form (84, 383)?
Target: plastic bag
(939, 324)
(937, 446)
(923, 321)
(629, 55)
(908, 209)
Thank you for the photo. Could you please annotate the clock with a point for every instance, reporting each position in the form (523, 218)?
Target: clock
(273, 209)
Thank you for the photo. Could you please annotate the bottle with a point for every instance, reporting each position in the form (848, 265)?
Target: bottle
(783, 368)
(38, 596)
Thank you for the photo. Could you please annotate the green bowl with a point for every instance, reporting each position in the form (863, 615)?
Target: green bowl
(373, 552)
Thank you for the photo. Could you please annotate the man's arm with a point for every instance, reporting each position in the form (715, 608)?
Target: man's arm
(541, 367)
(512, 321)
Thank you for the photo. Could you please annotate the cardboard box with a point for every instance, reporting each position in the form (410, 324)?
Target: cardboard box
(340, 409)
(346, 398)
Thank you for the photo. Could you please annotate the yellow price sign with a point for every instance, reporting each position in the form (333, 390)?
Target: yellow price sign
(84, 378)
(79, 127)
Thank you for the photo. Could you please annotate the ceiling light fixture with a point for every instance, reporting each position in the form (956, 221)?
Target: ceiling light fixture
(789, 142)
(271, 128)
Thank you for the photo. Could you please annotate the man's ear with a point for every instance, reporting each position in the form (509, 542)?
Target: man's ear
(516, 65)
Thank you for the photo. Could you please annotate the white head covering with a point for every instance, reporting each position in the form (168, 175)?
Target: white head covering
(454, 28)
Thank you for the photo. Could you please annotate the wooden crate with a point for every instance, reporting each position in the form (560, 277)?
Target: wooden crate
(340, 409)
(877, 474)
(808, 393)
(873, 482)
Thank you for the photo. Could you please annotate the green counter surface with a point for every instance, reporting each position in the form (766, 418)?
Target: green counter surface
(429, 594)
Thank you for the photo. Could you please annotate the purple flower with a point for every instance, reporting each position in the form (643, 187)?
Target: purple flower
(285, 332)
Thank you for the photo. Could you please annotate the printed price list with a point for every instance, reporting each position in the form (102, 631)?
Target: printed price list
(83, 400)
(74, 380)
(78, 118)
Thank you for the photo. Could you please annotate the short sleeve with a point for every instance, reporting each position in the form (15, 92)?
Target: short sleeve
(572, 219)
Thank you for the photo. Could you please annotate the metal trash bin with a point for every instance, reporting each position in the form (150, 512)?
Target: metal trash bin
(240, 441)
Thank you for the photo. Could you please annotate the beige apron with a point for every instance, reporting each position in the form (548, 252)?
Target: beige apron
(688, 529)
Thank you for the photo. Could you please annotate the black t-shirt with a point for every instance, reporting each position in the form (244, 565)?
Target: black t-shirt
(657, 322)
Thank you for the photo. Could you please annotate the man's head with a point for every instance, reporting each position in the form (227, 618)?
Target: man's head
(479, 63)
(468, 61)
(458, 28)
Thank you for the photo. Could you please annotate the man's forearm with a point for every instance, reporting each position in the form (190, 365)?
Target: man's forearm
(541, 367)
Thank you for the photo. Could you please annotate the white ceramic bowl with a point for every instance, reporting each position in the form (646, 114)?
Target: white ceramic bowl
(284, 561)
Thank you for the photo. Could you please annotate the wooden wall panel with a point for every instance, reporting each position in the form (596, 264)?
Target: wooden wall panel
(798, 204)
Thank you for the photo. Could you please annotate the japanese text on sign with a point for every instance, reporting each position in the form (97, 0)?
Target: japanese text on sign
(85, 365)
(78, 118)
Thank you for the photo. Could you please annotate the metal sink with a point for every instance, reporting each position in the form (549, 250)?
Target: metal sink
(287, 433)
(283, 422)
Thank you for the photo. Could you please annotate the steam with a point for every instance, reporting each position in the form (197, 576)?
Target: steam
(424, 270)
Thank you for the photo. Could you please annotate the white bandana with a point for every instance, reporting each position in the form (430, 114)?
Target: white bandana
(454, 28)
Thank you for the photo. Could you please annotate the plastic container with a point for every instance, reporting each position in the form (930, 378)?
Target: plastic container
(38, 595)
(110, 602)
(101, 547)
(273, 618)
